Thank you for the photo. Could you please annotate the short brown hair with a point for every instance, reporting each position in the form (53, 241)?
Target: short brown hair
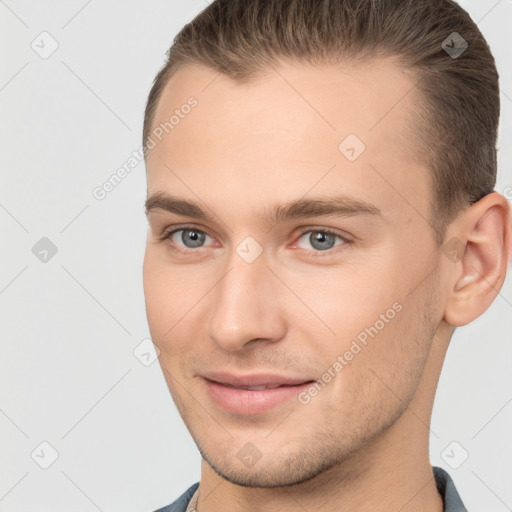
(458, 106)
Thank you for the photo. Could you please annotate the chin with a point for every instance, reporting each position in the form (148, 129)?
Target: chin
(288, 471)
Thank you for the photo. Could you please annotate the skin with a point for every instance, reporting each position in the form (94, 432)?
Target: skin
(362, 442)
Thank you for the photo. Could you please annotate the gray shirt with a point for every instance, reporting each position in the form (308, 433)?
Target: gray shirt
(451, 499)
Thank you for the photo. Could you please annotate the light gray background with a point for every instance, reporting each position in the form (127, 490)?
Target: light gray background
(68, 374)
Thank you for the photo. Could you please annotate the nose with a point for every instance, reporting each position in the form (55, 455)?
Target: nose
(246, 306)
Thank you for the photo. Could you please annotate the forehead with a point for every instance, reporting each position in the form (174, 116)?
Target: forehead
(278, 136)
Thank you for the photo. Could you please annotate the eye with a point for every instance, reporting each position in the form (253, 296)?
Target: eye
(190, 238)
(321, 240)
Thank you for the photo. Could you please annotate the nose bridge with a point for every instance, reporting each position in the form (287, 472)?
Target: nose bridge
(245, 305)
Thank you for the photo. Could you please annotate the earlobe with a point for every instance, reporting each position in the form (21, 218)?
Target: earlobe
(483, 236)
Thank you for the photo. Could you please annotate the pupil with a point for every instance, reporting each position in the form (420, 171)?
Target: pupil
(194, 237)
(322, 239)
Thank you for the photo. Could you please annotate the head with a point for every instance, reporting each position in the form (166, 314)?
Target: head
(341, 163)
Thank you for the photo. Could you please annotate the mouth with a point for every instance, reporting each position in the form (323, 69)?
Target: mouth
(260, 388)
(268, 380)
(251, 398)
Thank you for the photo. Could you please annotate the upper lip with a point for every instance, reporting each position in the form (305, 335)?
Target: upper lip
(256, 379)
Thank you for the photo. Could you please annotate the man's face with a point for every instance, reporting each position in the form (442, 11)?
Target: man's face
(353, 295)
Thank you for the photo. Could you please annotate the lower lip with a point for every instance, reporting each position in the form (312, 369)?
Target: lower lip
(247, 401)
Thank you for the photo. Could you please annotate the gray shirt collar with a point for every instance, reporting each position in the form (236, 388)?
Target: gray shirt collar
(444, 483)
(446, 488)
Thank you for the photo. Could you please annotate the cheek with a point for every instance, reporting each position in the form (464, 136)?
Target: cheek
(367, 320)
(344, 301)
(173, 296)
(162, 293)
(153, 291)
(379, 376)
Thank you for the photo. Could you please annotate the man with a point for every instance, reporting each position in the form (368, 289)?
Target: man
(321, 218)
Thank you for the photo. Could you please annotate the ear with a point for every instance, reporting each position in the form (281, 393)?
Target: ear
(477, 256)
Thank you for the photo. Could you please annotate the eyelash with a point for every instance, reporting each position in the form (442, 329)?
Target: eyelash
(313, 253)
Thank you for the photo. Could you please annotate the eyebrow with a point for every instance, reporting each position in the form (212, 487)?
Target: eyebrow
(335, 206)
